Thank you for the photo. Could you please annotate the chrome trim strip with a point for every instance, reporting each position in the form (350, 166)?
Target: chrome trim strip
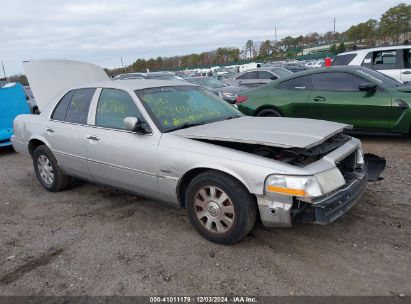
(69, 155)
(123, 168)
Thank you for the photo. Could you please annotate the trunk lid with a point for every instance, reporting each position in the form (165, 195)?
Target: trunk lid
(48, 78)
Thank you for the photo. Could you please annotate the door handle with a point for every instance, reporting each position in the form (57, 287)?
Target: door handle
(50, 130)
(93, 137)
(319, 98)
(407, 72)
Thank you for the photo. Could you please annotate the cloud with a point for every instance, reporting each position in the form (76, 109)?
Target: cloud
(102, 31)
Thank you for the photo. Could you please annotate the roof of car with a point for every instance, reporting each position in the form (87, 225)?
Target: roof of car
(381, 48)
(335, 68)
(136, 84)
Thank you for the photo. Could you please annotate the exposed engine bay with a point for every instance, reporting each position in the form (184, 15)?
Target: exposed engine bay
(294, 156)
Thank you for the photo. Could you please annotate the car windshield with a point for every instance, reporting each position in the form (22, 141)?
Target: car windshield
(210, 82)
(178, 107)
(382, 79)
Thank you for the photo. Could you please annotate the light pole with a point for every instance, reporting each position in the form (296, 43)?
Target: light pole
(4, 70)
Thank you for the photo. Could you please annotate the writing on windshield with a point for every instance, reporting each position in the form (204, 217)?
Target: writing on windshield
(172, 107)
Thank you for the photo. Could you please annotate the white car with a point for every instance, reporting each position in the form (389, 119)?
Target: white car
(394, 61)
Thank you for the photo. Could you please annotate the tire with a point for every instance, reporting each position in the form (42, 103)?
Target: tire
(49, 174)
(210, 213)
(268, 113)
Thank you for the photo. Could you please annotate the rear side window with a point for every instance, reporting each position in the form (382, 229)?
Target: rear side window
(299, 83)
(384, 60)
(344, 59)
(248, 75)
(59, 112)
(113, 106)
(337, 81)
(77, 110)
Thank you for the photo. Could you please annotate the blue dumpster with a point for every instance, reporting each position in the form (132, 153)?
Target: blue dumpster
(12, 103)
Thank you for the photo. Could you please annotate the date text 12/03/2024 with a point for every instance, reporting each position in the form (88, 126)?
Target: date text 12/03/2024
(203, 299)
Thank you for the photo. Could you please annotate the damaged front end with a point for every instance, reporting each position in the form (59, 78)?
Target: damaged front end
(326, 196)
(333, 179)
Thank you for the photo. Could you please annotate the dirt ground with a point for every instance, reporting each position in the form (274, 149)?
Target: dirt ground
(92, 240)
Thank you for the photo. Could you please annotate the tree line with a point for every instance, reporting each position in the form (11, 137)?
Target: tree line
(395, 22)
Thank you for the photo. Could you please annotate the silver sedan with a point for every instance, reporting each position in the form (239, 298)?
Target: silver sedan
(176, 142)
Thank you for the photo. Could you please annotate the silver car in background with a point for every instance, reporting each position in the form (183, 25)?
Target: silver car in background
(254, 78)
(176, 142)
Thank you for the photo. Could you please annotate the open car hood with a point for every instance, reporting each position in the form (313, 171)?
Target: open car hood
(268, 131)
(48, 78)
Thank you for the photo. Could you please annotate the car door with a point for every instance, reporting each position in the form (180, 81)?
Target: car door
(64, 131)
(336, 97)
(385, 61)
(265, 77)
(293, 94)
(406, 65)
(116, 156)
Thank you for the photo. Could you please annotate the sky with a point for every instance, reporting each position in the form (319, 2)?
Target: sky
(103, 31)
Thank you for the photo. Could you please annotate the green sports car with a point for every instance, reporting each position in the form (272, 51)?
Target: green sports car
(366, 99)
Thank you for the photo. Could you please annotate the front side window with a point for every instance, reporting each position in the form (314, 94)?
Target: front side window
(376, 77)
(77, 110)
(113, 106)
(182, 106)
(337, 81)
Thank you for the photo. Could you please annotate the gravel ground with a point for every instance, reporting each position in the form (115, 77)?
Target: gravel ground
(92, 240)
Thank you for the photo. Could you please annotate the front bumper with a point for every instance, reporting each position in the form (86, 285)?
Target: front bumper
(276, 211)
(331, 208)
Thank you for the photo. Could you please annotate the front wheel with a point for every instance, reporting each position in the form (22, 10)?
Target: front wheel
(49, 174)
(220, 208)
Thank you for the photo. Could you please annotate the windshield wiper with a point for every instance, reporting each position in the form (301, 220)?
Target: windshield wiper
(232, 117)
(187, 125)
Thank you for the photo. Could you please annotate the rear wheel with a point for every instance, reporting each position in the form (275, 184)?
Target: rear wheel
(220, 208)
(49, 174)
(268, 113)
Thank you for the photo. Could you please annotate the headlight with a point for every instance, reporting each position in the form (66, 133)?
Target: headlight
(229, 95)
(293, 185)
(305, 186)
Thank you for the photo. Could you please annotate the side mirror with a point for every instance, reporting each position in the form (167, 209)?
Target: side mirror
(273, 77)
(135, 125)
(368, 87)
